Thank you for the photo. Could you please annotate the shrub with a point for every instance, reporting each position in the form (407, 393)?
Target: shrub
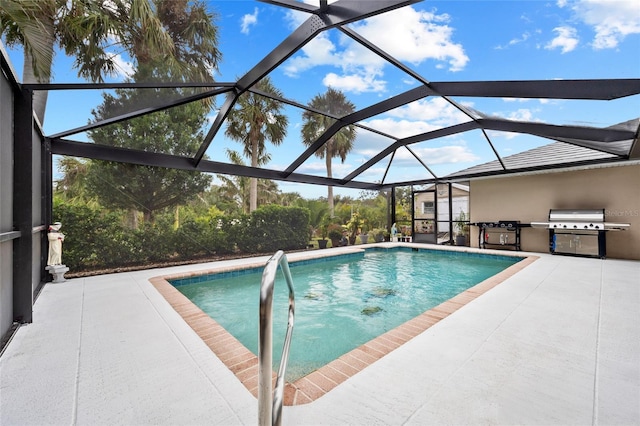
(272, 228)
(91, 236)
(96, 240)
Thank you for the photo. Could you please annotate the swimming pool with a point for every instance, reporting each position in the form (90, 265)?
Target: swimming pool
(342, 301)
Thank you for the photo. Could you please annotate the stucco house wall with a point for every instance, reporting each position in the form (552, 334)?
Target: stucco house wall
(529, 198)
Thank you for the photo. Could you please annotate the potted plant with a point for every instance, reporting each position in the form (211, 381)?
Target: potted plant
(322, 243)
(334, 231)
(462, 229)
(364, 237)
(377, 234)
(324, 225)
(353, 227)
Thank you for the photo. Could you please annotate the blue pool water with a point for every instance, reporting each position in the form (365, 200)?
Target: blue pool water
(342, 302)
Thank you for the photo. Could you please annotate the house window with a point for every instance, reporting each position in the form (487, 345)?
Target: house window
(428, 207)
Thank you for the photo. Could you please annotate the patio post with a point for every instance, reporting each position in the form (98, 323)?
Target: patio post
(23, 206)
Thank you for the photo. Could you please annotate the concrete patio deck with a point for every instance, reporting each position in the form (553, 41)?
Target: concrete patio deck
(556, 343)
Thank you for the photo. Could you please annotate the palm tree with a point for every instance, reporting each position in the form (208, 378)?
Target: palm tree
(255, 120)
(318, 211)
(289, 198)
(268, 192)
(336, 104)
(237, 188)
(72, 186)
(178, 33)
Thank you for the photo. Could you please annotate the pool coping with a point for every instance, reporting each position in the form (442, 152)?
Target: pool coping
(244, 364)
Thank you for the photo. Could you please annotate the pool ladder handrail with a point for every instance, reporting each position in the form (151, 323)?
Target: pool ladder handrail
(270, 402)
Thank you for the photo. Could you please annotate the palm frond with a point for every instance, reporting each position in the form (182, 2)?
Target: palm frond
(30, 23)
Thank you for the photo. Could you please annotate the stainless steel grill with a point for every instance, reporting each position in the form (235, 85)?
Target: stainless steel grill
(578, 232)
(591, 220)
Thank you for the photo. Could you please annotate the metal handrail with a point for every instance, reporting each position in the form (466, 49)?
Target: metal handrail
(270, 404)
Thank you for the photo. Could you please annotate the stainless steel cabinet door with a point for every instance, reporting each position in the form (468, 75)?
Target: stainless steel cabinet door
(586, 244)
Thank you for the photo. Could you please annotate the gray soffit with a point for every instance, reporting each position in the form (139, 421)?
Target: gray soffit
(569, 144)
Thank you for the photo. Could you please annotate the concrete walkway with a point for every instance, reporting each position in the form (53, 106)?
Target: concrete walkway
(557, 343)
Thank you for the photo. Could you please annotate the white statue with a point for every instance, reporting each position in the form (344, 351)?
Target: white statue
(394, 230)
(55, 244)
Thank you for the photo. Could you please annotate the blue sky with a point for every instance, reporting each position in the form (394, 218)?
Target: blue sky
(442, 41)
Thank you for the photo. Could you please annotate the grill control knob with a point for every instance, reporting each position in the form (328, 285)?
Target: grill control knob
(586, 227)
(575, 226)
(564, 226)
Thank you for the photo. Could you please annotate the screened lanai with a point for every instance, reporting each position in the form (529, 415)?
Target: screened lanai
(400, 140)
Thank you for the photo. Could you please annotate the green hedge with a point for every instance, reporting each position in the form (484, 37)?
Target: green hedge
(96, 240)
(271, 228)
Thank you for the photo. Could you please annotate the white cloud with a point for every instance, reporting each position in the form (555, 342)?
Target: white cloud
(373, 173)
(522, 114)
(123, 67)
(494, 134)
(400, 128)
(248, 21)
(338, 169)
(542, 101)
(417, 37)
(611, 20)
(418, 117)
(355, 83)
(524, 37)
(566, 39)
(319, 51)
(295, 18)
(453, 153)
(437, 155)
(436, 111)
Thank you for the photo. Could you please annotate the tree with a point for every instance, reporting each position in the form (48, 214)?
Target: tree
(176, 131)
(404, 197)
(237, 188)
(289, 198)
(72, 186)
(255, 120)
(178, 33)
(340, 144)
(268, 192)
(318, 211)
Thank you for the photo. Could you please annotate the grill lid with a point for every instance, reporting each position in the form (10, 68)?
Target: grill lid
(584, 216)
(589, 220)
